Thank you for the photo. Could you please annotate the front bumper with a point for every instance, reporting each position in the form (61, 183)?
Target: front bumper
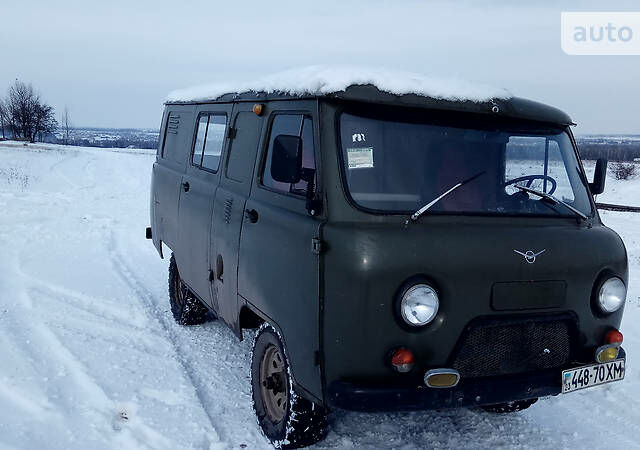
(469, 392)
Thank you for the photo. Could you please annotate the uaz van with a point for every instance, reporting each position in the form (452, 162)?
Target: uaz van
(395, 249)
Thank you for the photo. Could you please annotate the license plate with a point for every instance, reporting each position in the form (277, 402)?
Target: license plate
(593, 375)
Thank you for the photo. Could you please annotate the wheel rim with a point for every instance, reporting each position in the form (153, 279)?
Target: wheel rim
(273, 384)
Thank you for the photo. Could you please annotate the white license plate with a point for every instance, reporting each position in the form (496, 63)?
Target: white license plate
(593, 375)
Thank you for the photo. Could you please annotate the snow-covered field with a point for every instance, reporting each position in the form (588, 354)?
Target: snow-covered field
(90, 357)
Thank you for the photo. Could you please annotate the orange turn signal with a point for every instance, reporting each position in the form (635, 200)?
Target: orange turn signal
(441, 378)
(607, 353)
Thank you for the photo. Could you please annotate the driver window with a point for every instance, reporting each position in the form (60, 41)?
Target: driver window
(296, 125)
(525, 158)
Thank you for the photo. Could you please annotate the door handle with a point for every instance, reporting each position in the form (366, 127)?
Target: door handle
(185, 186)
(251, 214)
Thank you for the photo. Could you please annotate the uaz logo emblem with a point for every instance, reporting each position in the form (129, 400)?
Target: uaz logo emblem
(530, 256)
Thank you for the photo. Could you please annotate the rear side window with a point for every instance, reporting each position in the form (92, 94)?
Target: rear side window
(207, 147)
(171, 143)
(296, 125)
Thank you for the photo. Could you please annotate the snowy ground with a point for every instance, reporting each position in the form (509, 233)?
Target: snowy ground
(90, 357)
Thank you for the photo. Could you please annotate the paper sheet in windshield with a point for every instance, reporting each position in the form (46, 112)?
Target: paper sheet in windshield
(360, 158)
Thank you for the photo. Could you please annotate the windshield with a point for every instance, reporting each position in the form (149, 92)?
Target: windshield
(395, 166)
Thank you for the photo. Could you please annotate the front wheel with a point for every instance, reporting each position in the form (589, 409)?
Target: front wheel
(286, 419)
(510, 407)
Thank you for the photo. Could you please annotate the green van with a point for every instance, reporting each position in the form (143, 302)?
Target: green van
(396, 246)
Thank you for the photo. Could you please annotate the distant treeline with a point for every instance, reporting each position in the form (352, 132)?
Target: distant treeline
(614, 151)
(122, 142)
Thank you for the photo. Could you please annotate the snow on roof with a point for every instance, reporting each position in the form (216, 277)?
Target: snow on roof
(322, 80)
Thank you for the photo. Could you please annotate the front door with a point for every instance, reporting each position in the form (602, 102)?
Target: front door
(229, 211)
(279, 271)
(198, 188)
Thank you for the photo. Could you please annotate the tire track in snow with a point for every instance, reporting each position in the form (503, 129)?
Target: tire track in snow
(123, 271)
(55, 167)
(86, 171)
(31, 400)
(44, 341)
(87, 324)
(35, 338)
(90, 305)
(82, 395)
(46, 334)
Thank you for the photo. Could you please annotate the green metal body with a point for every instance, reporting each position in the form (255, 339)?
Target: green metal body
(329, 283)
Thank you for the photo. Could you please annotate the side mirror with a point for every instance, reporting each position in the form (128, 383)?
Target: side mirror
(599, 177)
(286, 161)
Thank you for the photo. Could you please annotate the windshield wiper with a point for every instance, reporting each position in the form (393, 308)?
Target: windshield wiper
(416, 215)
(553, 200)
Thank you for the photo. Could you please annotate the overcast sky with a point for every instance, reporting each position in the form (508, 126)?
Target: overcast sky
(113, 63)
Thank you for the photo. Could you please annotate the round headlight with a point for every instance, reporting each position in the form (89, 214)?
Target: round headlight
(419, 305)
(612, 295)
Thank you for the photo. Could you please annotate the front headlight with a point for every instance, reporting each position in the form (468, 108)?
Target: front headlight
(419, 305)
(612, 295)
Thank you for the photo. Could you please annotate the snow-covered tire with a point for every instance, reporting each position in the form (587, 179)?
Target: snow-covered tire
(185, 307)
(509, 407)
(294, 422)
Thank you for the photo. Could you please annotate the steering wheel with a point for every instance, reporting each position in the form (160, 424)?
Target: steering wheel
(530, 179)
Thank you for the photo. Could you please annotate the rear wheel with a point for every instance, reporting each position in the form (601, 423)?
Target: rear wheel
(509, 407)
(286, 419)
(185, 307)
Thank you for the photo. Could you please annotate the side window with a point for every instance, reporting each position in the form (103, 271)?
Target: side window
(171, 144)
(207, 147)
(215, 139)
(201, 132)
(296, 125)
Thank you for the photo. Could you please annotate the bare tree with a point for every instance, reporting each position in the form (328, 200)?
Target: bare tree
(3, 117)
(28, 116)
(65, 124)
(44, 121)
(21, 105)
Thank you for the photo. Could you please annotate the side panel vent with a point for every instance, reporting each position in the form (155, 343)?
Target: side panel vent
(228, 205)
(174, 123)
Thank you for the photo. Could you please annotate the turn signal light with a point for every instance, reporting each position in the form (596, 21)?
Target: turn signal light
(402, 360)
(441, 378)
(607, 353)
(613, 337)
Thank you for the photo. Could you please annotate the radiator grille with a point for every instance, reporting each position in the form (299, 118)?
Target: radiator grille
(504, 349)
